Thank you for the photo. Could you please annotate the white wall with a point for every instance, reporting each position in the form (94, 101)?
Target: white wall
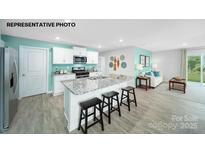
(196, 52)
(129, 59)
(168, 63)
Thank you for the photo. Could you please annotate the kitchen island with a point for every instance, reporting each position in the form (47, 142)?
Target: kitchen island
(78, 90)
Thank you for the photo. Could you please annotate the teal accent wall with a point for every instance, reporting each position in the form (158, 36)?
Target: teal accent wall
(138, 52)
(15, 42)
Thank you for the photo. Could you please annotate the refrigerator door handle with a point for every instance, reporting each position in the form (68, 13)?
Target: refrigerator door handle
(16, 77)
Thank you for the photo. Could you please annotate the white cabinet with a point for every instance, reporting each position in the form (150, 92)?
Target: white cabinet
(58, 88)
(92, 57)
(93, 74)
(62, 56)
(79, 51)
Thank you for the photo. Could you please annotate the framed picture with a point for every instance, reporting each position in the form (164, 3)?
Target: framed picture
(147, 61)
(142, 60)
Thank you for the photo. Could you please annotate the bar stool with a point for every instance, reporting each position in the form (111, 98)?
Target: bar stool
(129, 90)
(110, 96)
(96, 104)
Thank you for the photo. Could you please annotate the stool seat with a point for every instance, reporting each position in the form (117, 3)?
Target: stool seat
(110, 94)
(89, 103)
(129, 88)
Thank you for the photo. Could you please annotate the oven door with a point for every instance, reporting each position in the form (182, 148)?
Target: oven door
(79, 60)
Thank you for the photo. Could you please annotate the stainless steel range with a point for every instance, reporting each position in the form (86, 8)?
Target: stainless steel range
(80, 72)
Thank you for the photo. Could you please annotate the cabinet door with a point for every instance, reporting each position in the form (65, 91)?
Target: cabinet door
(89, 57)
(78, 51)
(62, 56)
(58, 86)
(68, 56)
(58, 56)
(92, 57)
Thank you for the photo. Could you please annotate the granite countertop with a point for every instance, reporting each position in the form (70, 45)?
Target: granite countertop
(85, 85)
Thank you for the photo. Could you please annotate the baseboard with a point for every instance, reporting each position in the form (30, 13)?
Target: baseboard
(58, 94)
(49, 92)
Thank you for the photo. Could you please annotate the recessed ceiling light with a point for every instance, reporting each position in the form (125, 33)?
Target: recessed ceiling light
(99, 46)
(57, 38)
(67, 20)
(121, 40)
(184, 44)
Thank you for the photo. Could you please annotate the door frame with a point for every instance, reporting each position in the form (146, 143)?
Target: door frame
(47, 67)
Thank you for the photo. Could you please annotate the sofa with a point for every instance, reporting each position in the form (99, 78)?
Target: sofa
(156, 78)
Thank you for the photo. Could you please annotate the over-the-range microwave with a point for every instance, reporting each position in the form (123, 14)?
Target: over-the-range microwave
(79, 59)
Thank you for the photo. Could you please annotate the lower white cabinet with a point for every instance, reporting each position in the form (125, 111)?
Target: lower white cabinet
(58, 88)
(93, 74)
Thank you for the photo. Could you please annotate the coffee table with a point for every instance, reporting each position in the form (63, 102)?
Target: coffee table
(174, 81)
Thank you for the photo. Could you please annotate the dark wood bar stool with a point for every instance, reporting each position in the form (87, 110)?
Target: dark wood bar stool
(94, 103)
(110, 96)
(129, 90)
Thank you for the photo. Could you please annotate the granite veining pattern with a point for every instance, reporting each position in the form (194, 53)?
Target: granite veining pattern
(85, 85)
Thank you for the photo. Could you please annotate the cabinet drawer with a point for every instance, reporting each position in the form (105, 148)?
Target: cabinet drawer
(64, 77)
(95, 74)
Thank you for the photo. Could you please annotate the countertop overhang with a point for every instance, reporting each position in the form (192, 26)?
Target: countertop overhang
(86, 85)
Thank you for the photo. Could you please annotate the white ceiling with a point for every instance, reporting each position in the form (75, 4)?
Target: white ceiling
(154, 35)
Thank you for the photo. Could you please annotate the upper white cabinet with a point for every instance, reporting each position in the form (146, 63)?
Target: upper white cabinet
(62, 56)
(65, 56)
(78, 51)
(92, 57)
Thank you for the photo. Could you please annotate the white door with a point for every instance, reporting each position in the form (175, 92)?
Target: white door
(33, 71)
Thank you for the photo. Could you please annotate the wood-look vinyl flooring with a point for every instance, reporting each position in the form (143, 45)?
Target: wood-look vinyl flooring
(44, 114)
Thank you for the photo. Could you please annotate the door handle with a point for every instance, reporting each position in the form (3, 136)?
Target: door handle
(23, 74)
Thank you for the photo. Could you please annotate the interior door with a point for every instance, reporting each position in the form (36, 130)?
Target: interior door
(33, 71)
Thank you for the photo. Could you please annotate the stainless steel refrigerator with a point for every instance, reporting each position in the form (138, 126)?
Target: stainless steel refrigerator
(8, 86)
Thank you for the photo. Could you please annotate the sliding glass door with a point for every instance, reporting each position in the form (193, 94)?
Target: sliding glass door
(194, 68)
